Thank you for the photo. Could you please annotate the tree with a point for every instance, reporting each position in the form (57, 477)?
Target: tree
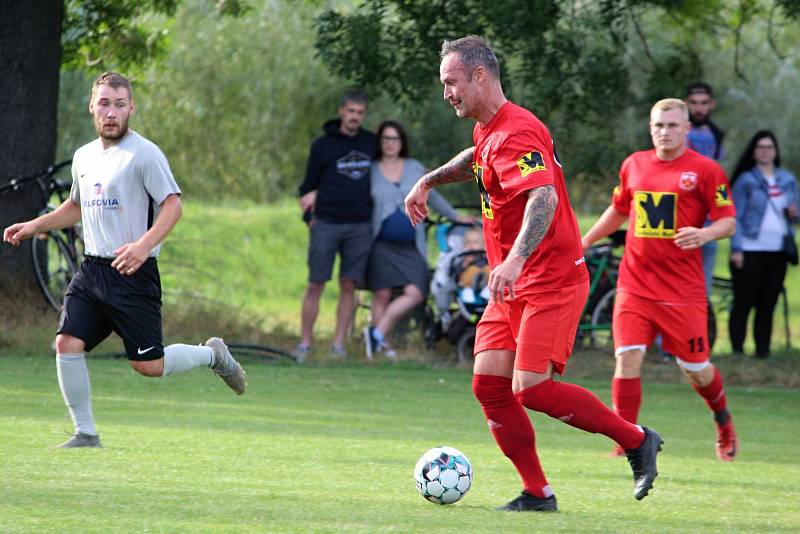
(34, 44)
(578, 65)
(30, 55)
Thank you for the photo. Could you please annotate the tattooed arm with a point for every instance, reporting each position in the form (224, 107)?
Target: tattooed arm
(458, 169)
(539, 211)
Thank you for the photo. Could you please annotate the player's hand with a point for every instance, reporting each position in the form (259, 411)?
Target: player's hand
(737, 259)
(308, 201)
(130, 257)
(690, 238)
(504, 276)
(15, 233)
(417, 202)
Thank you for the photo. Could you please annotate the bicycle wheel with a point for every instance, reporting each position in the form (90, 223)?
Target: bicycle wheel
(362, 315)
(465, 345)
(53, 266)
(600, 332)
(260, 352)
(712, 327)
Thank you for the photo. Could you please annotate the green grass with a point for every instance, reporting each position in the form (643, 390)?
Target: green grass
(330, 449)
(250, 260)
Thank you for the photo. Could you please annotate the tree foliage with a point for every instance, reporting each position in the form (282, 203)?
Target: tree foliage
(237, 100)
(578, 65)
(100, 33)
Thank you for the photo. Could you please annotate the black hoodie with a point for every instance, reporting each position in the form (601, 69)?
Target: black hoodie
(338, 168)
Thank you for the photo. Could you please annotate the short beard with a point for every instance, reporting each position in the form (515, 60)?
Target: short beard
(123, 129)
(697, 122)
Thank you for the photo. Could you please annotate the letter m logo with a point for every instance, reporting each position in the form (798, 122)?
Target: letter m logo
(656, 214)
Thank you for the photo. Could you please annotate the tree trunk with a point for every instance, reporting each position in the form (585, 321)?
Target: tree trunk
(30, 57)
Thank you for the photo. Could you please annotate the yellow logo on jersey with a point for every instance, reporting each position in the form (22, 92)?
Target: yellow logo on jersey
(486, 203)
(531, 162)
(656, 214)
(723, 197)
(616, 191)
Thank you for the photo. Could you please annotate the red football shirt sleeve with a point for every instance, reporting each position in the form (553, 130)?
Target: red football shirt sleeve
(718, 195)
(523, 163)
(621, 197)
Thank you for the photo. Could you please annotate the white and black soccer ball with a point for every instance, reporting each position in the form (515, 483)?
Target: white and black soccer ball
(443, 475)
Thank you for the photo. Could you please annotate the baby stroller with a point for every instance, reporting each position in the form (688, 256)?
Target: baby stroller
(459, 291)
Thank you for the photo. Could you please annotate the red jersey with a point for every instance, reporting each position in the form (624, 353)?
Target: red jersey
(514, 153)
(660, 197)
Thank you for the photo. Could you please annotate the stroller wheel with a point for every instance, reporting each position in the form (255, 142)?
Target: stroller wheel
(465, 344)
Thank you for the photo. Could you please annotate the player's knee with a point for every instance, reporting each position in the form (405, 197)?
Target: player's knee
(491, 390)
(700, 373)
(629, 360)
(67, 344)
(538, 397)
(150, 368)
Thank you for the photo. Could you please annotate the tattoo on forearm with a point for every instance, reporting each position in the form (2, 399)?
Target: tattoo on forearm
(458, 169)
(539, 211)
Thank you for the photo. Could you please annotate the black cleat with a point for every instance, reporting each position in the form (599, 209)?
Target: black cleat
(643, 463)
(527, 502)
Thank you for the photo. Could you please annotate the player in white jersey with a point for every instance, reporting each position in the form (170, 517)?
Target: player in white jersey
(124, 193)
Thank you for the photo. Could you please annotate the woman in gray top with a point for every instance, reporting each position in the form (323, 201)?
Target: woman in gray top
(398, 256)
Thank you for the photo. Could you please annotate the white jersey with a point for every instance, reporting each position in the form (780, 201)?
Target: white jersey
(119, 191)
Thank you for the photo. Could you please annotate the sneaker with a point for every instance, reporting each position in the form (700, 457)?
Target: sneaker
(370, 343)
(81, 440)
(643, 463)
(727, 442)
(301, 353)
(387, 350)
(339, 352)
(226, 367)
(527, 502)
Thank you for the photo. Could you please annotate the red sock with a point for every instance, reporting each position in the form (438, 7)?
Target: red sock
(626, 395)
(713, 393)
(580, 408)
(512, 430)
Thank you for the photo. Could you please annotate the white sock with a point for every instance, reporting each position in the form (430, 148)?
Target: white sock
(378, 335)
(73, 378)
(179, 358)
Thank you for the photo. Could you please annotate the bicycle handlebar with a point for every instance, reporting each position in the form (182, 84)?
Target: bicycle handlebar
(50, 171)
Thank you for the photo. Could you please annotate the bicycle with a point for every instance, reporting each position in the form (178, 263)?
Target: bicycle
(594, 329)
(55, 254)
(721, 300)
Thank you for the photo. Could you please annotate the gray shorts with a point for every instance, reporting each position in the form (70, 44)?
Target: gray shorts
(351, 240)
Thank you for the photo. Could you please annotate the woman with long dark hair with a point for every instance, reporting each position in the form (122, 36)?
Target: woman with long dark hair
(765, 196)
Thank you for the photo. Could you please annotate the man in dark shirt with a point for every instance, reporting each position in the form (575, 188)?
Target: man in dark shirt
(336, 203)
(705, 137)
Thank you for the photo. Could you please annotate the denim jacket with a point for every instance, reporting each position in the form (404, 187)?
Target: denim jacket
(751, 200)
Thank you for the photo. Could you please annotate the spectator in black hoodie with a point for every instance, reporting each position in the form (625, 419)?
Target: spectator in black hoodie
(336, 203)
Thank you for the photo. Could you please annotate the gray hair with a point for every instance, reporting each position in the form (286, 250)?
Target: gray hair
(356, 96)
(474, 51)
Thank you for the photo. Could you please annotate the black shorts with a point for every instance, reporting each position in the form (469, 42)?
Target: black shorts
(350, 240)
(99, 300)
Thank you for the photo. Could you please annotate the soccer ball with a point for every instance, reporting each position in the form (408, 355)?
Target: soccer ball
(443, 475)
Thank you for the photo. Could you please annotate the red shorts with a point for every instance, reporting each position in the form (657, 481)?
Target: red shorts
(683, 326)
(539, 327)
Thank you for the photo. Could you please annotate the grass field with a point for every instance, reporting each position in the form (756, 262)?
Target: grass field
(332, 448)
